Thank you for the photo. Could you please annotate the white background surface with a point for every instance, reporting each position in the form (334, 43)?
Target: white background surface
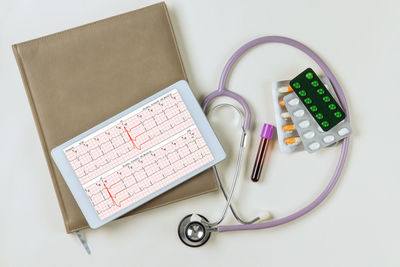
(358, 225)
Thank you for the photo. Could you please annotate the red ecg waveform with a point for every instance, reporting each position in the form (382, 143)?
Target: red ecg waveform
(134, 140)
(113, 197)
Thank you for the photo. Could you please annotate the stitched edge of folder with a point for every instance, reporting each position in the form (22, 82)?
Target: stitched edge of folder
(58, 34)
(41, 135)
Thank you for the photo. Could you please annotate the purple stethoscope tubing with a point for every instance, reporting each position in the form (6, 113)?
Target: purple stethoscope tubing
(222, 91)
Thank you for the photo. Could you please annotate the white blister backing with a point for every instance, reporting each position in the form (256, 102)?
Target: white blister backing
(312, 136)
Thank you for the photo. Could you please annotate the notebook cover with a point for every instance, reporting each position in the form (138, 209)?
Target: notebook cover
(80, 77)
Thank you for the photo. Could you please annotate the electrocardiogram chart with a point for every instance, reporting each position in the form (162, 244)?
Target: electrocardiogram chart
(139, 154)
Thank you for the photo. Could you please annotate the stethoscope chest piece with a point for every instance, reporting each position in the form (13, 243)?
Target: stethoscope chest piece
(193, 233)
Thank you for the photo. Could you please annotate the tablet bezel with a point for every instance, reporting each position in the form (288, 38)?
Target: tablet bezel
(77, 189)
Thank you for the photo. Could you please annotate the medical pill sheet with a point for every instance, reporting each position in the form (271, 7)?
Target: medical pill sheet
(142, 152)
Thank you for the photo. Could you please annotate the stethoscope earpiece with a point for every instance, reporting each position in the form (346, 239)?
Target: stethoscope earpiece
(264, 215)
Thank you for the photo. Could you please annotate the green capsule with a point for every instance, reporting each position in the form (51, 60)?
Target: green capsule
(313, 108)
(319, 116)
(308, 100)
(325, 124)
(302, 93)
(314, 83)
(320, 91)
(326, 98)
(332, 106)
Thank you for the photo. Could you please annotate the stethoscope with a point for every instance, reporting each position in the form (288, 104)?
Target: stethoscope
(194, 229)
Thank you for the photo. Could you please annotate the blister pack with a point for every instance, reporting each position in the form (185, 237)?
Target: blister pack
(309, 114)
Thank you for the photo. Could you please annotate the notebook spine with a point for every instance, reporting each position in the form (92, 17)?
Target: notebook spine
(41, 135)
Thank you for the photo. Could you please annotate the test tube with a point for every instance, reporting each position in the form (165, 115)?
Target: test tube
(266, 135)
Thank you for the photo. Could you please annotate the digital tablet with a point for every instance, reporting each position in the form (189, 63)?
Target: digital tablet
(138, 154)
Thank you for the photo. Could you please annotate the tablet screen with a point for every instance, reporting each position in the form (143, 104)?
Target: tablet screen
(142, 152)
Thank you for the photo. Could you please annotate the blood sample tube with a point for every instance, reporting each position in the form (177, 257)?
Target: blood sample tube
(266, 135)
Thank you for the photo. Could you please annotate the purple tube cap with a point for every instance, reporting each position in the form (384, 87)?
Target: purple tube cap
(267, 131)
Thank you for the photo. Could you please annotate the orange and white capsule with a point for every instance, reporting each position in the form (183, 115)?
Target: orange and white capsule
(293, 140)
(285, 115)
(281, 103)
(285, 90)
(288, 127)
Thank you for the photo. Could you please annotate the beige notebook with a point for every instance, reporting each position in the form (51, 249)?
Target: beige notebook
(78, 78)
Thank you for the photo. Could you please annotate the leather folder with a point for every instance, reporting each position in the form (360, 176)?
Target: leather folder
(77, 78)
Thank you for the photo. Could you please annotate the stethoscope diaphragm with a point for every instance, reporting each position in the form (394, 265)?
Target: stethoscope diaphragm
(193, 233)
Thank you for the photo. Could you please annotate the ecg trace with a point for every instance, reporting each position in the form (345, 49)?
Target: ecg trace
(138, 155)
(149, 173)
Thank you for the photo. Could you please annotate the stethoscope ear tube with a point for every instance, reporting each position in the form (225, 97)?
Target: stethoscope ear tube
(235, 96)
(222, 91)
(228, 197)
